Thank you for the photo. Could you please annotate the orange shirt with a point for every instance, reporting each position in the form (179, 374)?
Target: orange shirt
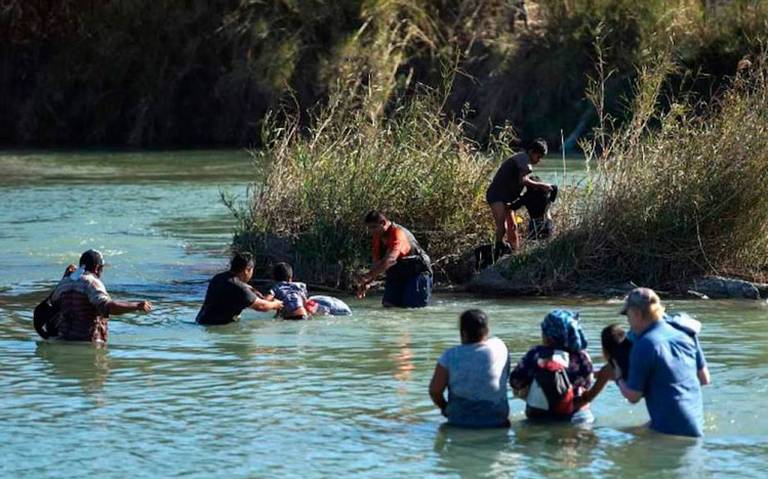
(394, 239)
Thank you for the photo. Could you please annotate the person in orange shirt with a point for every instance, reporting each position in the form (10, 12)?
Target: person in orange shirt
(397, 254)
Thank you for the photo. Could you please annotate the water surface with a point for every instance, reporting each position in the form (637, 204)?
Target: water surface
(324, 398)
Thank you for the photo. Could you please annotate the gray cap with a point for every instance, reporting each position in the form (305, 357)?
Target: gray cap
(640, 298)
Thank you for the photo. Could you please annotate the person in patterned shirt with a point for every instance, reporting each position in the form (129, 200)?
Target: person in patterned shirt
(564, 340)
(84, 304)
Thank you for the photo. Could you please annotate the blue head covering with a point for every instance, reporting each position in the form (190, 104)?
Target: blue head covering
(562, 326)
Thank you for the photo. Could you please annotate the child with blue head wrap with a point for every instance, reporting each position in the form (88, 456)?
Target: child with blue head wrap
(563, 330)
(552, 376)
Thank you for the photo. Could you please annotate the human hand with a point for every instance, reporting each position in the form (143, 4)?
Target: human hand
(277, 305)
(144, 306)
(361, 289)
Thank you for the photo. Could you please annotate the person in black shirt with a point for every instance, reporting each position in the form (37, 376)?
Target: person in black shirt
(512, 176)
(229, 294)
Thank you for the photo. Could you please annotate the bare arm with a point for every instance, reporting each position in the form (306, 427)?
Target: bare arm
(379, 267)
(631, 395)
(116, 308)
(266, 305)
(536, 185)
(601, 379)
(437, 387)
(704, 377)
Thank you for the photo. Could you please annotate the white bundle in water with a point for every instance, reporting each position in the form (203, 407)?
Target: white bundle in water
(330, 306)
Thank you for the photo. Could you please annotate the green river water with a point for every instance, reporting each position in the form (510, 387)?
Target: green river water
(266, 398)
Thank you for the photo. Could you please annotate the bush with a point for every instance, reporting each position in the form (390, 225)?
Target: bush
(684, 198)
(416, 166)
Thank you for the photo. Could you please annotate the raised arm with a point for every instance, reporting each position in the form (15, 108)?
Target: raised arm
(116, 308)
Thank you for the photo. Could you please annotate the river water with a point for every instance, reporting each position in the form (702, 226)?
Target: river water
(266, 398)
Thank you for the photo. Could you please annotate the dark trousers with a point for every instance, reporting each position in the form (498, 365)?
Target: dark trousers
(413, 292)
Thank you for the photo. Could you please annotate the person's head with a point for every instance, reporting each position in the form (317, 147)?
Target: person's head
(616, 347)
(537, 149)
(376, 222)
(473, 326)
(92, 261)
(242, 266)
(282, 272)
(642, 307)
(561, 330)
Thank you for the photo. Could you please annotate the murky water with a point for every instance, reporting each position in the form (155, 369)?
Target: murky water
(324, 398)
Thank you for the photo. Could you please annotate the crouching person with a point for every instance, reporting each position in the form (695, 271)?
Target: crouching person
(84, 304)
(475, 374)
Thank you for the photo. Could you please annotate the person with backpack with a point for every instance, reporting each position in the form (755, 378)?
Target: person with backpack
(81, 306)
(552, 376)
(666, 366)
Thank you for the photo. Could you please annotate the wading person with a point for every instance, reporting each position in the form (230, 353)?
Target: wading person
(475, 374)
(553, 376)
(84, 304)
(667, 367)
(397, 254)
(512, 176)
(229, 294)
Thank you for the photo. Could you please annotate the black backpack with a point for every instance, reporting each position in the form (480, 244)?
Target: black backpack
(43, 318)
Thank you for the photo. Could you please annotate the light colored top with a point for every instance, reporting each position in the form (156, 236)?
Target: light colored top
(478, 374)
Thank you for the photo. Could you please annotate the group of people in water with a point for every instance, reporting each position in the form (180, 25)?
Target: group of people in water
(660, 358)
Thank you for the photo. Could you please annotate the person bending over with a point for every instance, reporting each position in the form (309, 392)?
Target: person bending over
(507, 184)
(407, 267)
(293, 294)
(229, 294)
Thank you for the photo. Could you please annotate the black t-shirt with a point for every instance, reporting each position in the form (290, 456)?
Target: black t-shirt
(225, 299)
(507, 183)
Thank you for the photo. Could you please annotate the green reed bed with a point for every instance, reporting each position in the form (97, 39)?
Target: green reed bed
(673, 196)
(416, 165)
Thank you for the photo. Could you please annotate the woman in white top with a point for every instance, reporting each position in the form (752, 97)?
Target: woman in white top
(476, 375)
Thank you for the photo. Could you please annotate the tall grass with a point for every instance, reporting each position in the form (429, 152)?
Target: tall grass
(675, 195)
(415, 165)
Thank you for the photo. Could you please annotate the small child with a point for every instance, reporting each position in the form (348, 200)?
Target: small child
(292, 294)
(553, 376)
(616, 350)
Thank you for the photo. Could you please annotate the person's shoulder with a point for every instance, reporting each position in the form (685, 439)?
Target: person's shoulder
(91, 280)
(496, 343)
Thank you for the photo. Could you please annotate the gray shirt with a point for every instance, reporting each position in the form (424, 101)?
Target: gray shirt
(478, 374)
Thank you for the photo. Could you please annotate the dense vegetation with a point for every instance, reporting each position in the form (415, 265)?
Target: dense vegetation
(677, 194)
(179, 73)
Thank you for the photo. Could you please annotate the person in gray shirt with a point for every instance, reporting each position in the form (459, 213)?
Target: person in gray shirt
(475, 373)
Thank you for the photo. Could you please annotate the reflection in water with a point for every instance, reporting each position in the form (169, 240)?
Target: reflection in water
(559, 446)
(87, 363)
(676, 455)
(404, 365)
(475, 452)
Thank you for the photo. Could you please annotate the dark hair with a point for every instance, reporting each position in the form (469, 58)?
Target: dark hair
(240, 261)
(91, 259)
(474, 324)
(539, 145)
(282, 272)
(617, 347)
(374, 216)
